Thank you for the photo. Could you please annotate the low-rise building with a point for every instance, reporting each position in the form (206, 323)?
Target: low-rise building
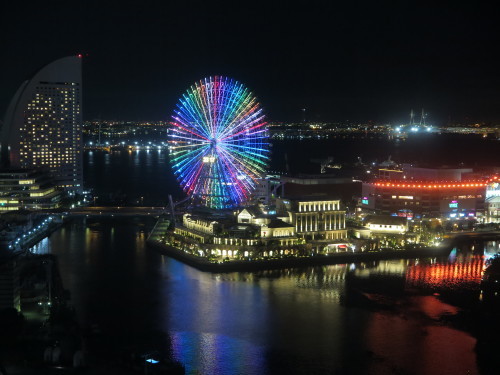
(314, 217)
(205, 225)
(255, 232)
(343, 188)
(492, 203)
(277, 229)
(253, 215)
(386, 224)
(27, 189)
(492, 208)
(418, 199)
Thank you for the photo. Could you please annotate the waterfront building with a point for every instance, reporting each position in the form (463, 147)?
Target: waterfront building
(259, 215)
(492, 202)
(296, 226)
(252, 215)
(201, 224)
(492, 209)
(43, 124)
(314, 217)
(380, 224)
(302, 185)
(418, 199)
(249, 233)
(27, 189)
(277, 229)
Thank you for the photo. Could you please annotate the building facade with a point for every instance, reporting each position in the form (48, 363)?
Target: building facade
(200, 224)
(316, 218)
(43, 124)
(450, 199)
(27, 189)
(492, 203)
(311, 185)
(387, 224)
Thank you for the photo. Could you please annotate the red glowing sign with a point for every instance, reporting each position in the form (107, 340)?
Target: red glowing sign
(432, 186)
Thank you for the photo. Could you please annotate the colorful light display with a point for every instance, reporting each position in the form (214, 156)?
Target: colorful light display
(218, 142)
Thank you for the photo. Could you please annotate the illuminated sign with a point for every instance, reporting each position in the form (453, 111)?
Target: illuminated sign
(364, 201)
(405, 213)
(453, 204)
(208, 159)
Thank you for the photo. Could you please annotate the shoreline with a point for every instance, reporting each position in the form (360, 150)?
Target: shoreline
(293, 262)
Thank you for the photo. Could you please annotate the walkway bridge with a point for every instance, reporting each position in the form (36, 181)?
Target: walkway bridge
(117, 211)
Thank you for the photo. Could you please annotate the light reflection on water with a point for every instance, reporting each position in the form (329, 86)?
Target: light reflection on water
(217, 354)
(364, 318)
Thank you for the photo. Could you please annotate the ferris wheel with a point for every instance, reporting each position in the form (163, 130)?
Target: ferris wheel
(218, 142)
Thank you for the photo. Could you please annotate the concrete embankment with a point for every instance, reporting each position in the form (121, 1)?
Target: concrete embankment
(293, 262)
(30, 238)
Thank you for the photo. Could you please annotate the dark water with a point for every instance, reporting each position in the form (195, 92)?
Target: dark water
(147, 174)
(390, 317)
(397, 317)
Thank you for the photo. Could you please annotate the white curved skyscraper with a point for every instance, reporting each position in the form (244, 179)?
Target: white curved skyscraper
(43, 124)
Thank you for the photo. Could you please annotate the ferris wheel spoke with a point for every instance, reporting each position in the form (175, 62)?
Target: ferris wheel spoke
(235, 184)
(188, 131)
(247, 130)
(237, 120)
(200, 101)
(191, 123)
(231, 109)
(243, 169)
(246, 110)
(250, 161)
(185, 157)
(241, 124)
(191, 114)
(195, 112)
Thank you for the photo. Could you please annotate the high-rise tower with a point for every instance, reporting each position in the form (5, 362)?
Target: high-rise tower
(43, 124)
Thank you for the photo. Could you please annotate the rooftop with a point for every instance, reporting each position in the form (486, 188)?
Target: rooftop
(277, 223)
(311, 198)
(427, 184)
(386, 220)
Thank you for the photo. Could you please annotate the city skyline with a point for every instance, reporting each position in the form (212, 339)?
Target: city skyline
(358, 62)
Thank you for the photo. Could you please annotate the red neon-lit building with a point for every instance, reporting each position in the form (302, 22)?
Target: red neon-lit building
(450, 199)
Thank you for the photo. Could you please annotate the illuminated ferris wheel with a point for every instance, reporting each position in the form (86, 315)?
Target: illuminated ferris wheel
(218, 142)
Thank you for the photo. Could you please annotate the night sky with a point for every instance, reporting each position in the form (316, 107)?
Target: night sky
(362, 61)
